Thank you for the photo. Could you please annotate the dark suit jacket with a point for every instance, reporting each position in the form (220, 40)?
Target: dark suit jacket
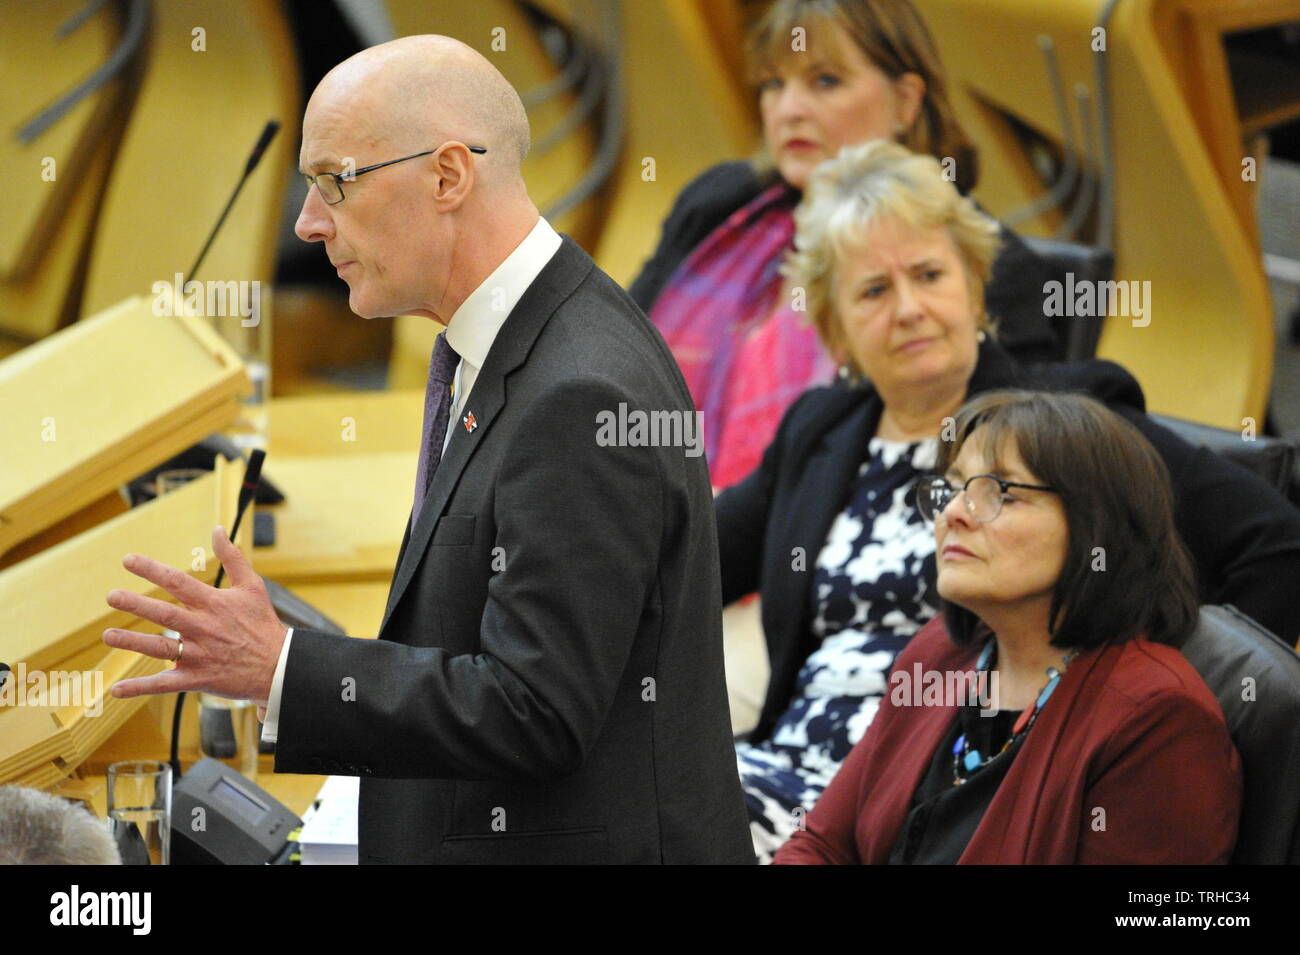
(547, 685)
(1131, 729)
(1014, 295)
(1243, 535)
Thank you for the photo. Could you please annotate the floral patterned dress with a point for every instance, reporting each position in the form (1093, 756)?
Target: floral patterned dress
(872, 590)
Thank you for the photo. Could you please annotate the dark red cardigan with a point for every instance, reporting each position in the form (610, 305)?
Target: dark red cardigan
(1130, 762)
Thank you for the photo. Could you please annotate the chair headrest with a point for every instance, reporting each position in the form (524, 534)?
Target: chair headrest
(1273, 459)
(1256, 678)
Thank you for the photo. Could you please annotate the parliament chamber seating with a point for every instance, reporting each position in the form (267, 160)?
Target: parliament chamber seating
(1256, 679)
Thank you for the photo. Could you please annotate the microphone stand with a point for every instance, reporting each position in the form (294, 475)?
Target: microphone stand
(268, 133)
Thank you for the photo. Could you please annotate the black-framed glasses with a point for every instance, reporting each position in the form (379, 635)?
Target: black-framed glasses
(330, 184)
(984, 495)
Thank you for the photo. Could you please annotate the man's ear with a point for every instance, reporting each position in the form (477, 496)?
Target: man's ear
(454, 175)
(910, 90)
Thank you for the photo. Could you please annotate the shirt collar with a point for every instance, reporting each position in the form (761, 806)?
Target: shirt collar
(475, 324)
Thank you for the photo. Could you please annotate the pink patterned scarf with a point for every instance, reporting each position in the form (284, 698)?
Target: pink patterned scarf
(746, 355)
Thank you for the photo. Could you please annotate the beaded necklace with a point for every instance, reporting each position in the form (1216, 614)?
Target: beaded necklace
(965, 758)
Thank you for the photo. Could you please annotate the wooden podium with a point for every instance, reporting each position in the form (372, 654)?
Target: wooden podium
(88, 409)
(101, 402)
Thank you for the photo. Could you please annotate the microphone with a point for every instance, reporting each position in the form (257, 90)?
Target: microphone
(247, 491)
(268, 133)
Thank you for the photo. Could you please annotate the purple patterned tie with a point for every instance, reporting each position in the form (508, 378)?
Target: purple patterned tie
(437, 406)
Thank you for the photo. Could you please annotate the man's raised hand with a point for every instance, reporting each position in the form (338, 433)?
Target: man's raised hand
(231, 638)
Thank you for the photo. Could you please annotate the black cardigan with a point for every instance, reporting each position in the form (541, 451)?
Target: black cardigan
(1014, 297)
(1243, 535)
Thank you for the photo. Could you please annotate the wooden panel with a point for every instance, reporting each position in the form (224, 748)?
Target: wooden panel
(320, 345)
(54, 602)
(37, 68)
(195, 118)
(45, 297)
(683, 110)
(55, 615)
(92, 515)
(102, 401)
(413, 338)
(995, 66)
(41, 745)
(1206, 352)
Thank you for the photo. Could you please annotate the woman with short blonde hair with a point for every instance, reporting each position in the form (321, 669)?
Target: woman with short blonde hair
(867, 184)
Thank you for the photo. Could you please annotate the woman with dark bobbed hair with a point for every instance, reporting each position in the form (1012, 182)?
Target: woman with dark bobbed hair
(1078, 735)
(828, 74)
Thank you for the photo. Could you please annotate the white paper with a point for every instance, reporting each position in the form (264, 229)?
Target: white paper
(329, 835)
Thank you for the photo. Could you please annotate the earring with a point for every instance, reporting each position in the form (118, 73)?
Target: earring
(980, 336)
(849, 378)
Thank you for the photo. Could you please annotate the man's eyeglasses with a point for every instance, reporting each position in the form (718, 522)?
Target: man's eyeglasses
(330, 184)
(984, 494)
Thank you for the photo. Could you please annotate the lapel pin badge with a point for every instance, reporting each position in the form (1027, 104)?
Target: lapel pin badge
(470, 422)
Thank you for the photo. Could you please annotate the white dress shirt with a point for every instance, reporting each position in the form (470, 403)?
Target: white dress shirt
(470, 332)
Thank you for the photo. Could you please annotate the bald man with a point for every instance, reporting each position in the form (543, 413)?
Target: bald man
(547, 685)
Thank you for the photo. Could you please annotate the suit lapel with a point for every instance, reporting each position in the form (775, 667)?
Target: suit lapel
(555, 283)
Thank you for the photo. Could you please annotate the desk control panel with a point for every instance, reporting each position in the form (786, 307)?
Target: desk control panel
(221, 818)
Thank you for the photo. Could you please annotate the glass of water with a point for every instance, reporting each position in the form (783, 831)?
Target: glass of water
(230, 732)
(140, 810)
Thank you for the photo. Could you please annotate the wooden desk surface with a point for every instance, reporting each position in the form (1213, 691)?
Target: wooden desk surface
(342, 518)
(356, 422)
(346, 465)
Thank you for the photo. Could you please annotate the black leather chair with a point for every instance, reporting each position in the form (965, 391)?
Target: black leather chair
(1256, 678)
(1273, 459)
(1080, 333)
